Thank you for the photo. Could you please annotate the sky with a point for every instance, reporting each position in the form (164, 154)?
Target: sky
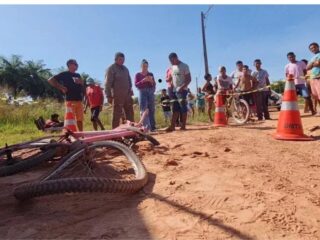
(92, 34)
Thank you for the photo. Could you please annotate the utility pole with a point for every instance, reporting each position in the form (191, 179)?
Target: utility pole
(196, 84)
(204, 44)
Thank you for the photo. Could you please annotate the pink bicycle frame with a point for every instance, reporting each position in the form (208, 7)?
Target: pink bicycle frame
(93, 136)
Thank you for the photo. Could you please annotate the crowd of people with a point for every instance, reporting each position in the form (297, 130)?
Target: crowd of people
(177, 100)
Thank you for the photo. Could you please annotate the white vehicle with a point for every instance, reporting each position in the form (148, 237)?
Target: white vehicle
(275, 100)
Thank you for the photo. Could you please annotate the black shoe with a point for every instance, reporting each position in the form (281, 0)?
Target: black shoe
(268, 118)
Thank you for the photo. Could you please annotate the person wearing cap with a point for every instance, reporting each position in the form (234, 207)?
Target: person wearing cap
(180, 78)
(118, 89)
(146, 85)
(94, 99)
(71, 84)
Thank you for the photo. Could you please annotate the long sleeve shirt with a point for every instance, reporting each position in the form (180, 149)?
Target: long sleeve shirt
(118, 81)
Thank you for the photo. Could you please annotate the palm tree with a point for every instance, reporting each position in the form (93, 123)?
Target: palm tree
(11, 73)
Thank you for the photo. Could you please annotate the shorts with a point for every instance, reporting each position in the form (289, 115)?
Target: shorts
(190, 105)
(315, 88)
(181, 105)
(95, 113)
(302, 90)
(77, 109)
(167, 114)
(210, 102)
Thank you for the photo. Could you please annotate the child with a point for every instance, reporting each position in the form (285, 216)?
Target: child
(94, 99)
(165, 103)
(53, 121)
(200, 101)
(210, 90)
(191, 101)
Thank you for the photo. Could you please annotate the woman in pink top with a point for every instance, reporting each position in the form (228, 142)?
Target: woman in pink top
(146, 84)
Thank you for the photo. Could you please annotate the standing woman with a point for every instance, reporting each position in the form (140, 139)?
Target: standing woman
(146, 85)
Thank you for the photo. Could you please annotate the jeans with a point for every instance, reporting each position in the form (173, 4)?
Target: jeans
(146, 101)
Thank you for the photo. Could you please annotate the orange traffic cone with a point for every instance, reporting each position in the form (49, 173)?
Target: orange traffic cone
(220, 119)
(289, 123)
(69, 119)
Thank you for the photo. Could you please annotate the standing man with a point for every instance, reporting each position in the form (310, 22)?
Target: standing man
(180, 78)
(235, 75)
(118, 89)
(314, 66)
(94, 99)
(262, 77)
(298, 70)
(71, 84)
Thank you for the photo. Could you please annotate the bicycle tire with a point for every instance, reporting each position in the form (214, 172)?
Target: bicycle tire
(246, 106)
(27, 163)
(151, 139)
(88, 184)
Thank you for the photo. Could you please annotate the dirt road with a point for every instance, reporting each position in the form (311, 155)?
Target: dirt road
(205, 183)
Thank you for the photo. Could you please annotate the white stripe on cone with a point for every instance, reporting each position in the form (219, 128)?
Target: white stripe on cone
(290, 86)
(219, 109)
(69, 122)
(286, 105)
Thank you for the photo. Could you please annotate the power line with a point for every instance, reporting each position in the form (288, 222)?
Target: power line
(207, 12)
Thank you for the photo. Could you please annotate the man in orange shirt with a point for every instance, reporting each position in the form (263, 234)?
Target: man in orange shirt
(94, 99)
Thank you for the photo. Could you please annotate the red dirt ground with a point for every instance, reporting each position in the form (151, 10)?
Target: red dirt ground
(204, 183)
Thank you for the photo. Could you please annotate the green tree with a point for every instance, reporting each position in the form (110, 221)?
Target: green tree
(11, 73)
(278, 86)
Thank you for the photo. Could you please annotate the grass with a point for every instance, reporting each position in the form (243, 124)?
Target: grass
(17, 122)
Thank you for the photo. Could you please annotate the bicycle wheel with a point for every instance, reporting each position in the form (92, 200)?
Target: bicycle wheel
(18, 158)
(87, 171)
(144, 135)
(240, 111)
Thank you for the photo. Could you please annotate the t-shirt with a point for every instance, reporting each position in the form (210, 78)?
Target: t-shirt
(179, 73)
(166, 107)
(75, 90)
(200, 99)
(297, 70)
(315, 71)
(224, 83)
(140, 85)
(94, 95)
(261, 76)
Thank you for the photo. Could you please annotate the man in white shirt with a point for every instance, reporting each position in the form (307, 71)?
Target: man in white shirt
(180, 79)
(235, 75)
(261, 97)
(299, 69)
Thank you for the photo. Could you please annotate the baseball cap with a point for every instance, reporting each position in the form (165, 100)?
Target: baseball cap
(90, 81)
